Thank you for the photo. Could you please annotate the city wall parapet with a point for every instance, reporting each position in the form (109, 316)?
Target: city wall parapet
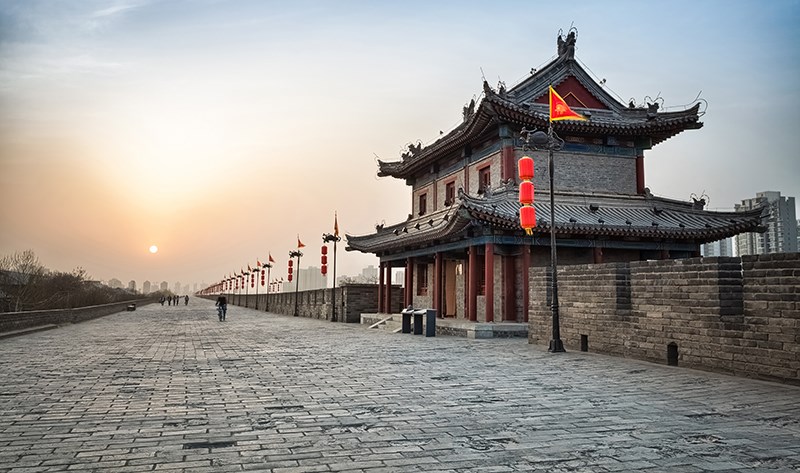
(12, 321)
(727, 314)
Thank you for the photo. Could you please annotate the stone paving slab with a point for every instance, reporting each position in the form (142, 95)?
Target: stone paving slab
(173, 389)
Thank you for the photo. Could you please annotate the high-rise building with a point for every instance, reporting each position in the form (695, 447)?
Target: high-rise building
(722, 247)
(177, 287)
(781, 223)
(115, 283)
(309, 278)
(370, 274)
(165, 286)
(146, 287)
(132, 286)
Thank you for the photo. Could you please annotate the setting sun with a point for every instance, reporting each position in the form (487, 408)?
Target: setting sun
(154, 249)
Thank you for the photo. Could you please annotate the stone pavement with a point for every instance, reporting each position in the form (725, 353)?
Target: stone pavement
(172, 388)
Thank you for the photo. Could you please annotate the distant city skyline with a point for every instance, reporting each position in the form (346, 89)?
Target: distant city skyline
(220, 132)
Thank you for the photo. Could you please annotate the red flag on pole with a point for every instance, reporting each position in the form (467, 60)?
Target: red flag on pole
(299, 243)
(335, 225)
(271, 260)
(559, 110)
(258, 263)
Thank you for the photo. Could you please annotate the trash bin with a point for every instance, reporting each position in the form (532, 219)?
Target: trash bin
(430, 323)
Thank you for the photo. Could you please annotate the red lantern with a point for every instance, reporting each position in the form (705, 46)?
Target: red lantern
(526, 192)
(526, 168)
(527, 218)
(291, 263)
(324, 269)
(262, 278)
(324, 250)
(527, 214)
(290, 269)
(289, 277)
(324, 259)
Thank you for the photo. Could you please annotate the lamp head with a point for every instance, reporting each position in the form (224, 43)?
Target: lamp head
(540, 139)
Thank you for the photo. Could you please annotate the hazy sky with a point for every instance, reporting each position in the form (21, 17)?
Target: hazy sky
(219, 130)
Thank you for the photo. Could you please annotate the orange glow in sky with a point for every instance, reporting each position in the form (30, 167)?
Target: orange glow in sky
(219, 132)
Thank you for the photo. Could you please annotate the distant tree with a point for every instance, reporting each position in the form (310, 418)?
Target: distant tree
(20, 274)
(25, 284)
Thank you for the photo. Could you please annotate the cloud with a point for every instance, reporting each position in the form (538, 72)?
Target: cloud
(113, 11)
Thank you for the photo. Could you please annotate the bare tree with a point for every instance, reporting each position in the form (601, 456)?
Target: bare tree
(20, 274)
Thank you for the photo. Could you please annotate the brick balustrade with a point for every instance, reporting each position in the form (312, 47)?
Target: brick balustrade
(732, 315)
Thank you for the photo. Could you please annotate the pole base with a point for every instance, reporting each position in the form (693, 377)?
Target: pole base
(556, 346)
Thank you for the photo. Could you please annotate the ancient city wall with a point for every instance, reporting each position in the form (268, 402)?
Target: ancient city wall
(10, 321)
(732, 315)
(351, 301)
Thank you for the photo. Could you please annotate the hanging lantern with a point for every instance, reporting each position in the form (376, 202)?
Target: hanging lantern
(526, 192)
(324, 269)
(252, 280)
(527, 213)
(289, 277)
(525, 168)
(527, 218)
(324, 259)
(324, 249)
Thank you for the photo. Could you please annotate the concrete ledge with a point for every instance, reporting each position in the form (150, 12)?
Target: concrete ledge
(16, 333)
(461, 328)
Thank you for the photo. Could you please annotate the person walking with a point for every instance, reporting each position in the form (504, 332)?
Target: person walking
(186, 300)
(222, 307)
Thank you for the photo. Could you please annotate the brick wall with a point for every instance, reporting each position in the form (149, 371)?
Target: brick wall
(351, 301)
(10, 321)
(731, 315)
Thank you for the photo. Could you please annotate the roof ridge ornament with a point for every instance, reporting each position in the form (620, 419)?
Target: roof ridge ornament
(413, 150)
(469, 110)
(566, 44)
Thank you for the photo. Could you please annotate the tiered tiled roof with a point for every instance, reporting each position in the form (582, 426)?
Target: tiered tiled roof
(577, 215)
(524, 106)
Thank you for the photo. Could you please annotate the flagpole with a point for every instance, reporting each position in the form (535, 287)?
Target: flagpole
(297, 254)
(556, 345)
(333, 237)
(256, 281)
(246, 290)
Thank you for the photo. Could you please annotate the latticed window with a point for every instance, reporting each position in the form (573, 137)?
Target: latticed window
(423, 204)
(484, 179)
(449, 193)
(422, 279)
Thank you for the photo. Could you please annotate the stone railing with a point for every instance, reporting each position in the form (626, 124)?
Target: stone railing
(11, 321)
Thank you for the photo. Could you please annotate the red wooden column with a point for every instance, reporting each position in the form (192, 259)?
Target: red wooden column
(597, 253)
(437, 284)
(472, 285)
(409, 295)
(640, 174)
(526, 265)
(509, 288)
(388, 308)
(489, 275)
(380, 287)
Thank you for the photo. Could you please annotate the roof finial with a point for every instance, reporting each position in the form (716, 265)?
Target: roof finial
(566, 45)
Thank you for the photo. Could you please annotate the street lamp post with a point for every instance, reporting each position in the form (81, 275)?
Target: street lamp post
(255, 283)
(268, 267)
(327, 238)
(550, 141)
(297, 254)
(246, 289)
